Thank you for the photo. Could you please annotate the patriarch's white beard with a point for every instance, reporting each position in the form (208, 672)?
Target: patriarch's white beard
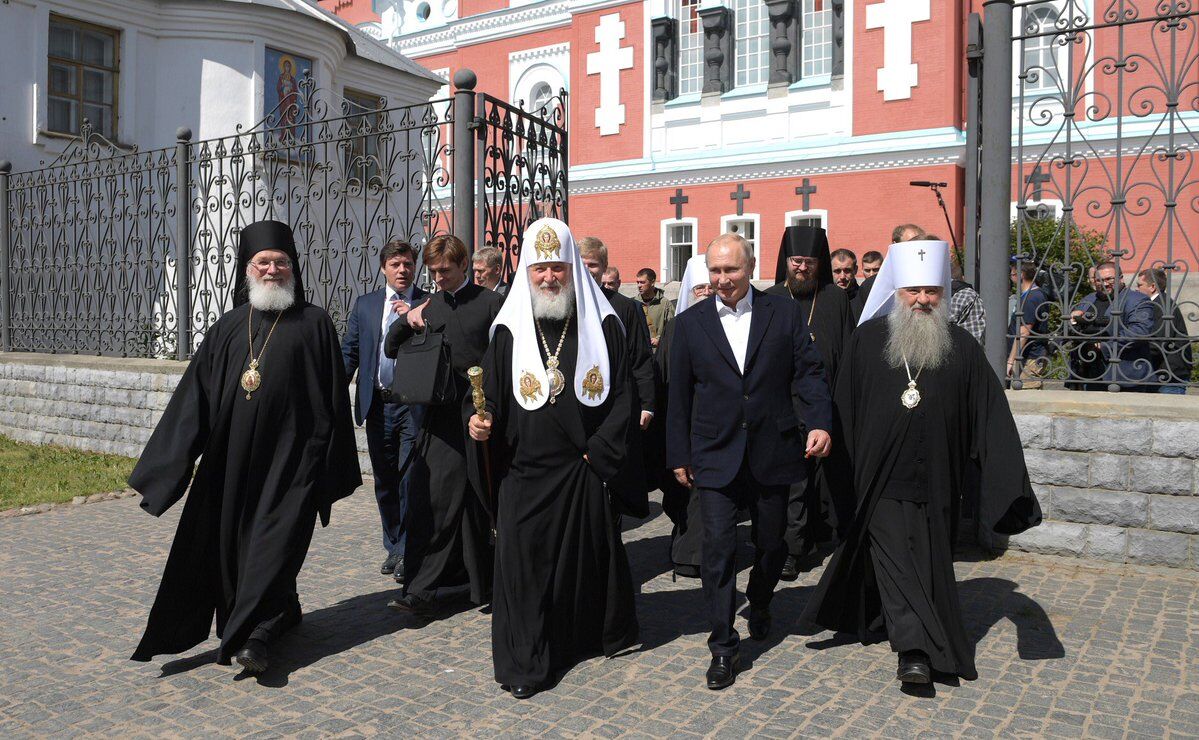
(922, 338)
(553, 307)
(271, 296)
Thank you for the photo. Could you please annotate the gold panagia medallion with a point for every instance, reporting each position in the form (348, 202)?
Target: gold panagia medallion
(547, 244)
(593, 383)
(530, 386)
(251, 380)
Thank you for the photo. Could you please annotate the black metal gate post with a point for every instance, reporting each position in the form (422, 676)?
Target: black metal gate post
(5, 272)
(996, 176)
(974, 68)
(183, 243)
(464, 157)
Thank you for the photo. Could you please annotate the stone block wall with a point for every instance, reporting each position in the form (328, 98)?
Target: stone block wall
(1117, 475)
(102, 404)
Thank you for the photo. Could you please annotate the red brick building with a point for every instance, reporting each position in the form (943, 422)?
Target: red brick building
(809, 111)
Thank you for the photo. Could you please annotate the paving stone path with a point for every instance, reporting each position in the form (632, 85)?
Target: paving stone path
(1065, 649)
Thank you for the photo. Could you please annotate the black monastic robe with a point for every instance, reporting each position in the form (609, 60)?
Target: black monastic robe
(563, 588)
(269, 465)
(892, 577)
(450, 519)
(637, 474)
(679, 503)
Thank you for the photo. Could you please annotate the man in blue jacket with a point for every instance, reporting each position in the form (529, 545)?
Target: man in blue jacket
(391, 428)
(747, 345)
(1120, 320)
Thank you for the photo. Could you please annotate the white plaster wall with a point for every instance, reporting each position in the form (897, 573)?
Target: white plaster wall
(182, 63)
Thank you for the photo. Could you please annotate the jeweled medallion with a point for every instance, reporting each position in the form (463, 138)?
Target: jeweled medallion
(251, 380)
(557, 382)
(911, 397)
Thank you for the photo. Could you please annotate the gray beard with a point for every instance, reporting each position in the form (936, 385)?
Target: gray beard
(804, 288)
(554, 307)
(273, 297)
(923, 339)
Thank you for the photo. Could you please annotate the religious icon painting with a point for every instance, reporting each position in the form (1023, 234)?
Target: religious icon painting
(593, 383)
(288, 84)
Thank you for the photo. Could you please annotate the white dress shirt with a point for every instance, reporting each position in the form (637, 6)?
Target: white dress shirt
(735, 322)
(387, 365)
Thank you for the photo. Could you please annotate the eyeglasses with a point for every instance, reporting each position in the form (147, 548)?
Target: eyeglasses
(264, 265)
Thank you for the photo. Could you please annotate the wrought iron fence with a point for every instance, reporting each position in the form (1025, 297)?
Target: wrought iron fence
(1104, 105)
(90, 248)
(522, 171)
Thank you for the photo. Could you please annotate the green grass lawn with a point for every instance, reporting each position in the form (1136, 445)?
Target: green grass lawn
(42, 474)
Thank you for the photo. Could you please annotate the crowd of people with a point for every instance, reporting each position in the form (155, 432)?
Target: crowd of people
(511, 427)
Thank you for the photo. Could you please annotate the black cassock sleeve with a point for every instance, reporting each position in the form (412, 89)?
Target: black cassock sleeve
(1007, 503)
(166, 465)
(341, 474)
(642, 367)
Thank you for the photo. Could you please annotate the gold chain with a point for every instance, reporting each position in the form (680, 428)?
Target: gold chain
(251, 379)
(552, 359)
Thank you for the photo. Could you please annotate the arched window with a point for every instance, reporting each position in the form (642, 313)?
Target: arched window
(540, 97)
(1040, 60)
(753, 42)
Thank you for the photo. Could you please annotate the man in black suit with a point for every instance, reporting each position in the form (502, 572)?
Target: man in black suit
(390, 427)
(753, 346)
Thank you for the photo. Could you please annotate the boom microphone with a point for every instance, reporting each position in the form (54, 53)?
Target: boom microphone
(927, 184)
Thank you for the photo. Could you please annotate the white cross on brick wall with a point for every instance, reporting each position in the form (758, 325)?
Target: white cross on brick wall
(607, 63)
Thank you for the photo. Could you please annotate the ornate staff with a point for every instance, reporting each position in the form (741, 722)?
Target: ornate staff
(475, 374)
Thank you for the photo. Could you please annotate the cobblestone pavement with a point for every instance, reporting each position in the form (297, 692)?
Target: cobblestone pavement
(1065, 648)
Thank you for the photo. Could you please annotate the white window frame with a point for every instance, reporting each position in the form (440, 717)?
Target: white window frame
(816, 39)
(790, 217)
(756, 220)
(664, 253)
(745, 30)
(691, 50)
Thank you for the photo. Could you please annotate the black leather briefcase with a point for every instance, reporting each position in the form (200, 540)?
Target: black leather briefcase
(423, 373)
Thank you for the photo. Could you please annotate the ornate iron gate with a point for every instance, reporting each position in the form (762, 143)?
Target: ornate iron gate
(90, 245)
(1099, 125)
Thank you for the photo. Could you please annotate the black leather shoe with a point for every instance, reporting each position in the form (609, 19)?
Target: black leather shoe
(790, 569)
(400, 575)
(759, 623)
(392, 564)
(524, 692)
(685, 571)
(253, 657)
(412, 604)
(723, 671)
(914, 667)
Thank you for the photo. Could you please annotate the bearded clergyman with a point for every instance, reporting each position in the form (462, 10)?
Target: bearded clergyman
(815, 509)
(917, 404)
(559, 417)
(265, 407)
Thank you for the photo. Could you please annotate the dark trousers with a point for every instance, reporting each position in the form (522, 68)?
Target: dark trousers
(767, 506)
(391, 430)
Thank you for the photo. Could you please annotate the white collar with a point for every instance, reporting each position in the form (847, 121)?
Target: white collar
(392, 294)
(743, 305)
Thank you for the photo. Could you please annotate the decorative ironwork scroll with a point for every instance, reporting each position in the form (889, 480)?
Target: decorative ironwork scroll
(92, 241)
(522, 171)
(1106, 99)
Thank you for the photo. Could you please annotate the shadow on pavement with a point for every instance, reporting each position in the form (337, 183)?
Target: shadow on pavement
(331, 631)
(985, 601)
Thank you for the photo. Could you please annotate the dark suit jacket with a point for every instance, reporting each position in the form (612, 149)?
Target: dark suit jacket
(361, 343)
(718, 417)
